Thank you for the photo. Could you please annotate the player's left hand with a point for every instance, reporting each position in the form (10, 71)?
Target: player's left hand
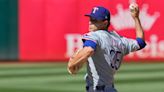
(73, 69)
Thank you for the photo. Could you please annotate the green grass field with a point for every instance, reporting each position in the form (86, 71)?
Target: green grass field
(53, 77)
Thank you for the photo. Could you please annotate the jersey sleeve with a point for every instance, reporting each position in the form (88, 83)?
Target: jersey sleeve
(132, 44)
(90, 36)
(90, 39)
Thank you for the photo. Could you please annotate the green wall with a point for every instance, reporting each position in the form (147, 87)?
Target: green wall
(8, 30)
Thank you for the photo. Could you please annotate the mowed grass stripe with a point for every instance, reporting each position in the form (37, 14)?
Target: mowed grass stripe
(141, 87)
(24, 65)
(73, 88)
(124, 69)
(38, 88)
(36, 74)
(32, 71)
(62, 72)
(32, 68)
(131, 66)
(142, 70)
(61, 65)
(124, 66)
(140, 80)
(139, 75)
(19, 80)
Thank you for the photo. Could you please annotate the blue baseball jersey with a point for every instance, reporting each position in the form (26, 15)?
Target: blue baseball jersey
(109, 51)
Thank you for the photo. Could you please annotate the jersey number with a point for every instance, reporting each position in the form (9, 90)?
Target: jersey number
(116, 59)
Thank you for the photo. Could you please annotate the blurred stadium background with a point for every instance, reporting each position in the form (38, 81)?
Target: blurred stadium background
(38, 36)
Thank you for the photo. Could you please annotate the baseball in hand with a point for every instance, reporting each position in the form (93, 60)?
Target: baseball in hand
(133, 6)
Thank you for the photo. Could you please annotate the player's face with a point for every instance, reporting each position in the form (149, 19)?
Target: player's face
(95, 24)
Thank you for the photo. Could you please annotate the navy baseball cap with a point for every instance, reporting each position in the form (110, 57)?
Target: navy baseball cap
(99, 13)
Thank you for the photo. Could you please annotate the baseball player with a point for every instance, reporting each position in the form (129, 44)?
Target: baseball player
(103, 50)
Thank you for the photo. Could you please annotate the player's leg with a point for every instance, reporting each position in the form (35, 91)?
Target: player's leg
(110, 89)
(101, 89)
(89, 89)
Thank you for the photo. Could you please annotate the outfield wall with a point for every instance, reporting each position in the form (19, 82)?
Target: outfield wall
(52, 29)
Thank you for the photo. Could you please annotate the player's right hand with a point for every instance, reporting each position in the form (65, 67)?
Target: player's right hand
(134, 9)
